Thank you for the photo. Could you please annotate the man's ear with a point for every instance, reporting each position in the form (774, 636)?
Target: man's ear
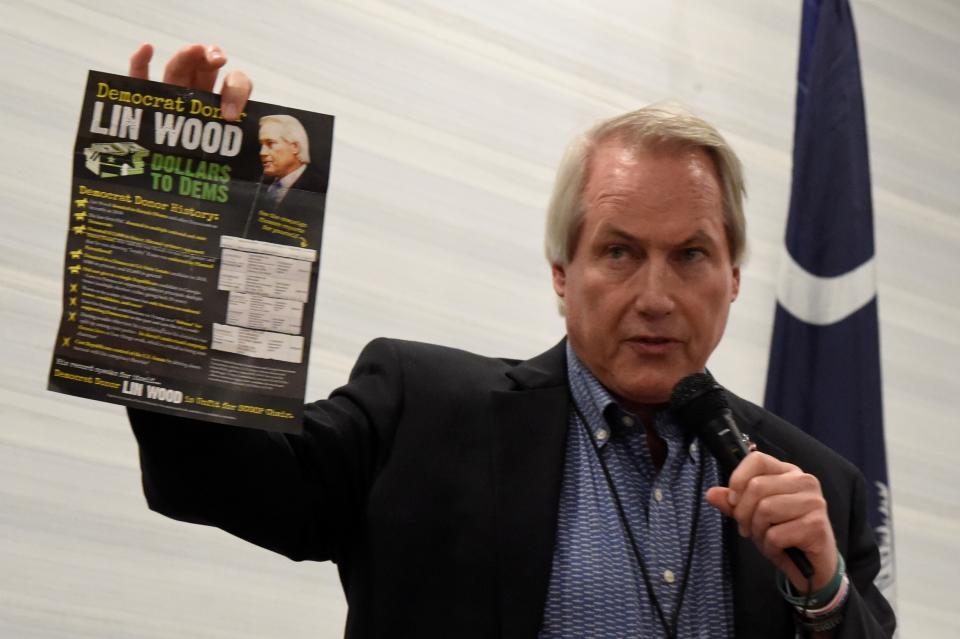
(736, 283)
(559, 279)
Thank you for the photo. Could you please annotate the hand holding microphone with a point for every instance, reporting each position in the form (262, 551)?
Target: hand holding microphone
(776, 504)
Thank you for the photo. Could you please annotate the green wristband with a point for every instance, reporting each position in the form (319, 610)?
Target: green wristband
(816, 599)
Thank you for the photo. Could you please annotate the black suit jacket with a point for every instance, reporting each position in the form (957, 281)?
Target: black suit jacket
(310, 181)
(432, 479)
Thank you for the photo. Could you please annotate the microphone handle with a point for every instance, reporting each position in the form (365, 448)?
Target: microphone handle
(729, 446)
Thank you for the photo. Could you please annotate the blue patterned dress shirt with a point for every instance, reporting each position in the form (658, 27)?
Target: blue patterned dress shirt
(596, 587)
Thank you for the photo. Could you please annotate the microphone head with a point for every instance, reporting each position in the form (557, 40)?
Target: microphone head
(696, 399)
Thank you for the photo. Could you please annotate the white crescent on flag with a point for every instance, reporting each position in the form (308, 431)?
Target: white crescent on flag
(824, 300)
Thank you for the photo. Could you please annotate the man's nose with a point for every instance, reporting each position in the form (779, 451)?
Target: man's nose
(655, 288)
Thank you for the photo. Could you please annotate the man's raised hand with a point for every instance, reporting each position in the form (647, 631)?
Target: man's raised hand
(197, 66)
(779, 506)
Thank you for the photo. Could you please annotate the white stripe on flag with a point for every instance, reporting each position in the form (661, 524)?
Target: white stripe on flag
(824, 300)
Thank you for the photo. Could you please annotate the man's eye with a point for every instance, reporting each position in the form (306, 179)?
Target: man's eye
(693, 253)
(616, 251)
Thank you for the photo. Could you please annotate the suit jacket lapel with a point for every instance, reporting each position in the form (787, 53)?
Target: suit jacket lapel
(755, 596)
(529, 433)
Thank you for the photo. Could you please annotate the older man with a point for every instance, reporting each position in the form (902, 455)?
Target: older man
(465, 496)
(285, 155)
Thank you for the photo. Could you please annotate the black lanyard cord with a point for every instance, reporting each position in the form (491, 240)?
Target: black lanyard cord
(671, 627)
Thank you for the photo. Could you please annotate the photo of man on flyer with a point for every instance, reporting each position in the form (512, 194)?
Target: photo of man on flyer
(289, 187)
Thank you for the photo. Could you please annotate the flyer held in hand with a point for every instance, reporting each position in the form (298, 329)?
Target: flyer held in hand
(193, 251)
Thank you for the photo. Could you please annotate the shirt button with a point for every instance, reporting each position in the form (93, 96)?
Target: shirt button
(668, 576)
(627, 420)
(658, 494)
(602, 434)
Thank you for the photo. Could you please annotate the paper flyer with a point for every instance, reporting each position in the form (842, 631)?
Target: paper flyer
(193, 252)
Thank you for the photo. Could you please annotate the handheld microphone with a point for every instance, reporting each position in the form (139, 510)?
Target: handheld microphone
(701, 407)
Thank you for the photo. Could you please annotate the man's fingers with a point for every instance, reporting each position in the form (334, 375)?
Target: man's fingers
(777, 509)
(756, 463)
(181, 67)
(195, 66)
(205, 77)
(762, 487)
(233, 97)
(140, 62)
(807, 533)
(719, 498)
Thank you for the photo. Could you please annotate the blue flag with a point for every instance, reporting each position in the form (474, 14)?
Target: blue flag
(824, 373)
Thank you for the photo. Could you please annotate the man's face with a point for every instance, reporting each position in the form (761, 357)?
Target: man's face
(278, 156)
(650, 284)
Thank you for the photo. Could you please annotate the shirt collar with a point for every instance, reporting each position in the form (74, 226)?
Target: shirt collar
(605, 416)
(287, 180)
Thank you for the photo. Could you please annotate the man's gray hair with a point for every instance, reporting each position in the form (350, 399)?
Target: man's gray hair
(292, 131)
(651, 127)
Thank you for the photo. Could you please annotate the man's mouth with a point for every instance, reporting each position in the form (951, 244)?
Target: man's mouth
(653, 344)
(652, 339)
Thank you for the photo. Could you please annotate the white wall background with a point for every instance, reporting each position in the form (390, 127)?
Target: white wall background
(450, 119)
